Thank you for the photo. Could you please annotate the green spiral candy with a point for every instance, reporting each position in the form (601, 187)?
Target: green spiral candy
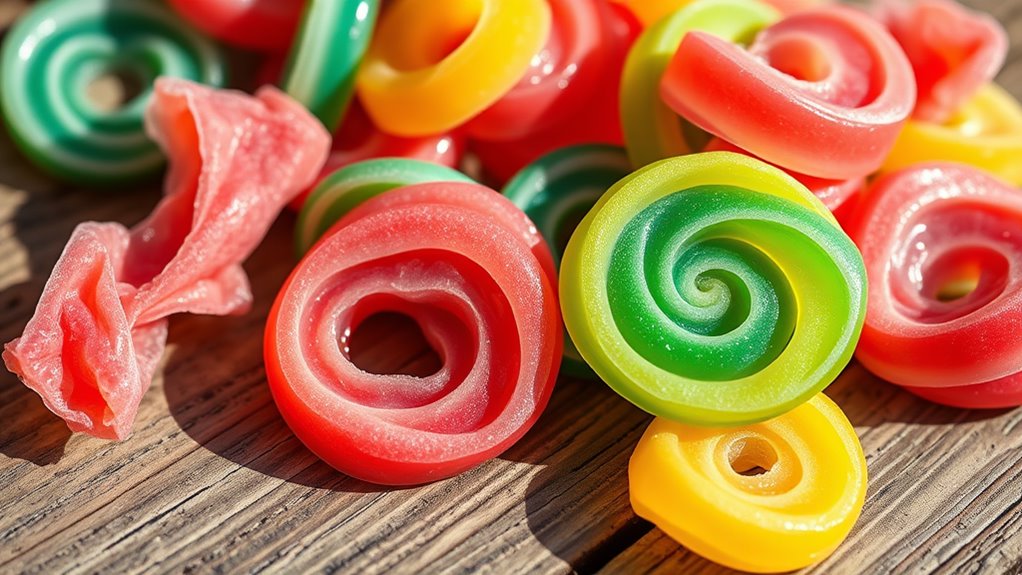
(556, 192)
(713, 289)
(59, 47)
(321, 67)
(346, 188)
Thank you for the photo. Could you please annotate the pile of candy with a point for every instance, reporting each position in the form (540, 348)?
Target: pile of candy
(678, 180)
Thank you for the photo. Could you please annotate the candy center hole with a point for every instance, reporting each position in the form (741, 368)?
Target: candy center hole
(390, 343)
(751, 456)
(428, 37)
(113, 90)
(800, 58)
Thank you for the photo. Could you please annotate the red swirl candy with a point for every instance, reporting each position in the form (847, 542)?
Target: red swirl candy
(472, 271)
(942, 245)
(267, 25)
(823, 92)
(953, 51)
(100, 327)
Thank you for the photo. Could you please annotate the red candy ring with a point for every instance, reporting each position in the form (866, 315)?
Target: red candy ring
(462, 261)
(823, 92)
(561, 77)
(266, 25)
(942, 245)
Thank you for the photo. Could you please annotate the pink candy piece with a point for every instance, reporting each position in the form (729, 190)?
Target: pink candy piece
(100, 326)
(953, 51)
(823, 92)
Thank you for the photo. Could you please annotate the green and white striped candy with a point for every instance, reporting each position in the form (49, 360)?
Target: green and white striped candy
(59, 47)
(324, 59)
(346, 188)
(556, 192)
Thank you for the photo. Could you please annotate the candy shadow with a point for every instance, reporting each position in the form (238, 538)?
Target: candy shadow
(216, 389)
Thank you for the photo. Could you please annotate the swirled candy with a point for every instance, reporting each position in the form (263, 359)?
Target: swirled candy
(461, 261)
(942, 245)
(327, 50)
(766, 498)
(833, 193)
(823, 92)
(561, 77)
(58, 48)
(346, 188)
(713, 289)
(433, 65)
(652, 130)
(986, 132)
(94, 341)
(953, 51)
(267, 25)
(556, 191)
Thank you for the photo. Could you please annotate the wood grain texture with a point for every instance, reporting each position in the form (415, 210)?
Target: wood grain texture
(212, 481)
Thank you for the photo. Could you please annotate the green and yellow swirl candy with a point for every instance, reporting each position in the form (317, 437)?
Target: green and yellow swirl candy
(652, 130)
(713, 289)
(58, 48)
(556, 192)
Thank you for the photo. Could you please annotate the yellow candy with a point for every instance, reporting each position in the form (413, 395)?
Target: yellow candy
(413, 84)
(652, 130)
(699, 485)
(986, 132)
(649, 11)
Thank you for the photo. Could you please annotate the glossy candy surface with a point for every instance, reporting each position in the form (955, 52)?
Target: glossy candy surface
(986, 132)
(712, 289)
(465, 264)
(433, 65)
(823, 92)
(769, 497)
(556, 192)
(51, 56)
(328, 48)
(954, 51)
(943, 247)
(650, 12)
(99, 329)
(267, 25)
(652, 130)
(344, 189)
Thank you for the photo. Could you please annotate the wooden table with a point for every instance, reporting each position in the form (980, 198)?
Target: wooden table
(213, 481)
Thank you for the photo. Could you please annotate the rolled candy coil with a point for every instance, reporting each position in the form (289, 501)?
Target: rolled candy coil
(942, 245)
(267, 25)
(986, 133)
(556, 191)
(596, 122)
(52, 54)
(652, 130)
(954, 51)
(434, 65)
(344, 189)
(712, 289)
(800, 97)
(561, 77)
(332, 38)
(833, 193)
(767, 498)
(462, 262)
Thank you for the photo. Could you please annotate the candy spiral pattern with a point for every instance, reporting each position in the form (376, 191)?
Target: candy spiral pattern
(556, 192)
(466, 266)
(652, 130)
(942, 245)
(823, 92)
(346, 188)
(52, 54)
(413, 84)
(699, 486)
(713, 289)
(321, 68)
(986, 133)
